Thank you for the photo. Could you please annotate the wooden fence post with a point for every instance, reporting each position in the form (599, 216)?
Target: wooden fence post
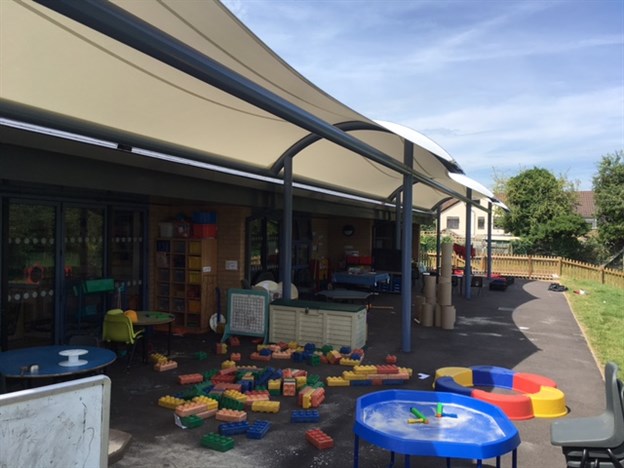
(560, 266)
(530, 267)
(602, 275)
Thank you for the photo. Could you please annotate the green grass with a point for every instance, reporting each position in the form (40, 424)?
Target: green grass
(601, 314)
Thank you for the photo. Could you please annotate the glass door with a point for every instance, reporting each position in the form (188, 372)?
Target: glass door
(87, 291)
(29, 317)
(126, 257)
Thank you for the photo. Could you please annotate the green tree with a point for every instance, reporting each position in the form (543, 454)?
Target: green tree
(609, 198)
(542, 213)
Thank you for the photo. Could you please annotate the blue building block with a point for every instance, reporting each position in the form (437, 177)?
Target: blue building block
(393, 382)
(356, 356)
(309, 347)
(265, 352)
(297, 356)
(304, 416)
(345, 350)
(233, 428)
(361, 383)
(258, 429)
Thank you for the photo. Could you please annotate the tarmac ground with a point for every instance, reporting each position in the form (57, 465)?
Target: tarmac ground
(526, 328)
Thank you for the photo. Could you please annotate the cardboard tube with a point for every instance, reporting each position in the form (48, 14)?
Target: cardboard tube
(445, 294)
(430, 288)
(437, 321)
(426, 315)
(448, 317)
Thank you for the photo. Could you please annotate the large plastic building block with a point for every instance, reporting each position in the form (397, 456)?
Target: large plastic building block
(230, 415)
(162, 366)
(186, 379)
(289, 387)
(285, 355)
(319, 439)
(157, 357)
(228, 364)
(210, 403)
(191, 421)
(233, 428)
(255, 356)
(333, 357)
(217, 442)
(387, 369)
(189, 408)
(365, 370)
(221, 348)
(236, 357)
(170, 402)
(265, 406)
(349, 362)
(304, 416)
(224, 386)
(337, 382)
(201, 355)
(235, 395)
(234, 341)
(230, 403)
(391, 359)
(258, 429)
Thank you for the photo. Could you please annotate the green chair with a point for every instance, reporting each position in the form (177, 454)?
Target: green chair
(118, 329)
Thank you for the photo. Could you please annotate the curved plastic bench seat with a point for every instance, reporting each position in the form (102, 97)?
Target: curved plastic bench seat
(549, 402)
(461, 375)
(491, 376)
(448, 384)
(531, 383)
(516, 407)
(536, 395)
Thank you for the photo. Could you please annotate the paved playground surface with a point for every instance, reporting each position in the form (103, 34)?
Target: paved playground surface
(526, 328)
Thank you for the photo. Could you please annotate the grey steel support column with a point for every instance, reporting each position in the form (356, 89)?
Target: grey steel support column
(287, 227)
(406, 249)
(397, 230)
(438, 238)
(468, 243)
(489, 241)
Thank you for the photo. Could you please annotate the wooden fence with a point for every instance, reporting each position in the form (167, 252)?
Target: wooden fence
(541, 268)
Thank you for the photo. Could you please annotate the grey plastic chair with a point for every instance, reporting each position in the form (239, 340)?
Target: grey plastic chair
(598, 441)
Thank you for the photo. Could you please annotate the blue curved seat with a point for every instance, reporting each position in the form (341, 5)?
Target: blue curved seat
(448, 384)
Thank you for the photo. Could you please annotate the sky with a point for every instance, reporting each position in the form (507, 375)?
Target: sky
(502, 85)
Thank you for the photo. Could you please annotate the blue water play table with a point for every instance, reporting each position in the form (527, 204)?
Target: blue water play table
(471, 429)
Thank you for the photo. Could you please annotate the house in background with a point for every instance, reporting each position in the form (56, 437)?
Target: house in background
(453, 223)
(586, 207)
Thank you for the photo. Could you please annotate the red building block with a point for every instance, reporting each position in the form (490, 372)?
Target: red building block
(234, 341)
(255, 356)
(236, 357)
(387, 369)
(390, 359)
(319, 439)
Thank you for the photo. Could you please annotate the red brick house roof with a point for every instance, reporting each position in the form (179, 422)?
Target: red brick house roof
(586, 206)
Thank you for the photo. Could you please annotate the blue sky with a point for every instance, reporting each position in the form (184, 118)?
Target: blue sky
(502, 85)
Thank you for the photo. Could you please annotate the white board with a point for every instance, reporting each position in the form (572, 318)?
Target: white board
(61, 425)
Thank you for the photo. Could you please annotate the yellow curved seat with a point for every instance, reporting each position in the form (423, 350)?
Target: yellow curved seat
(461, 375)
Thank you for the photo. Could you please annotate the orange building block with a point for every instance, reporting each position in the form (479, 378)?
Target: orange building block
(319, 439)
(190, 378)
(230, 415)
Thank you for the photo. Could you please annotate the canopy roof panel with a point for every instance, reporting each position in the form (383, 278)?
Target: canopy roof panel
(56, 65)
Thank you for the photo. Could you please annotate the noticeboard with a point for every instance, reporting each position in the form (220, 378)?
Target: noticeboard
(247, 313)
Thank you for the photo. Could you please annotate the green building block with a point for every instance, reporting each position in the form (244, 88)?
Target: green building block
(201, 355)
(191, 421)
(215, 441)
(231, 403)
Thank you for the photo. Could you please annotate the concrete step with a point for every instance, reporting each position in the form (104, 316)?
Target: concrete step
(118, 442)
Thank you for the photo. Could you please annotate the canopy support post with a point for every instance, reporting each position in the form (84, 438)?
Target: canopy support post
(468, 245)
(406, 248)
(286, 253)
(489, 241)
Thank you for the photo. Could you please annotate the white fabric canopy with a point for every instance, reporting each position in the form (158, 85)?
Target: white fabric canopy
(56, 65)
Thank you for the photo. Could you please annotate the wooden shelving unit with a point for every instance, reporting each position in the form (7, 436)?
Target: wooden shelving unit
(186, 278)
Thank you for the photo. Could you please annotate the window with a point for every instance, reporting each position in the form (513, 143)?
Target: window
(452, 222)
(481, 222)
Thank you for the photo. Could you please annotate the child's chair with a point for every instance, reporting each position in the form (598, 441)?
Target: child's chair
(118, 329)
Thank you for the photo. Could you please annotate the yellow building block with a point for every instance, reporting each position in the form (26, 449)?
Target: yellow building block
(349, 362)
(265, 406)
(461, 375)
(337, 382)
(235, 395)
(211, 404)
(228, 364)
(365, 369)
(170, 402)
(301, 381)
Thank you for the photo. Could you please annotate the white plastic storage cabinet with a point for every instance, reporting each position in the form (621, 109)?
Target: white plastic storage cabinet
(321, 323)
